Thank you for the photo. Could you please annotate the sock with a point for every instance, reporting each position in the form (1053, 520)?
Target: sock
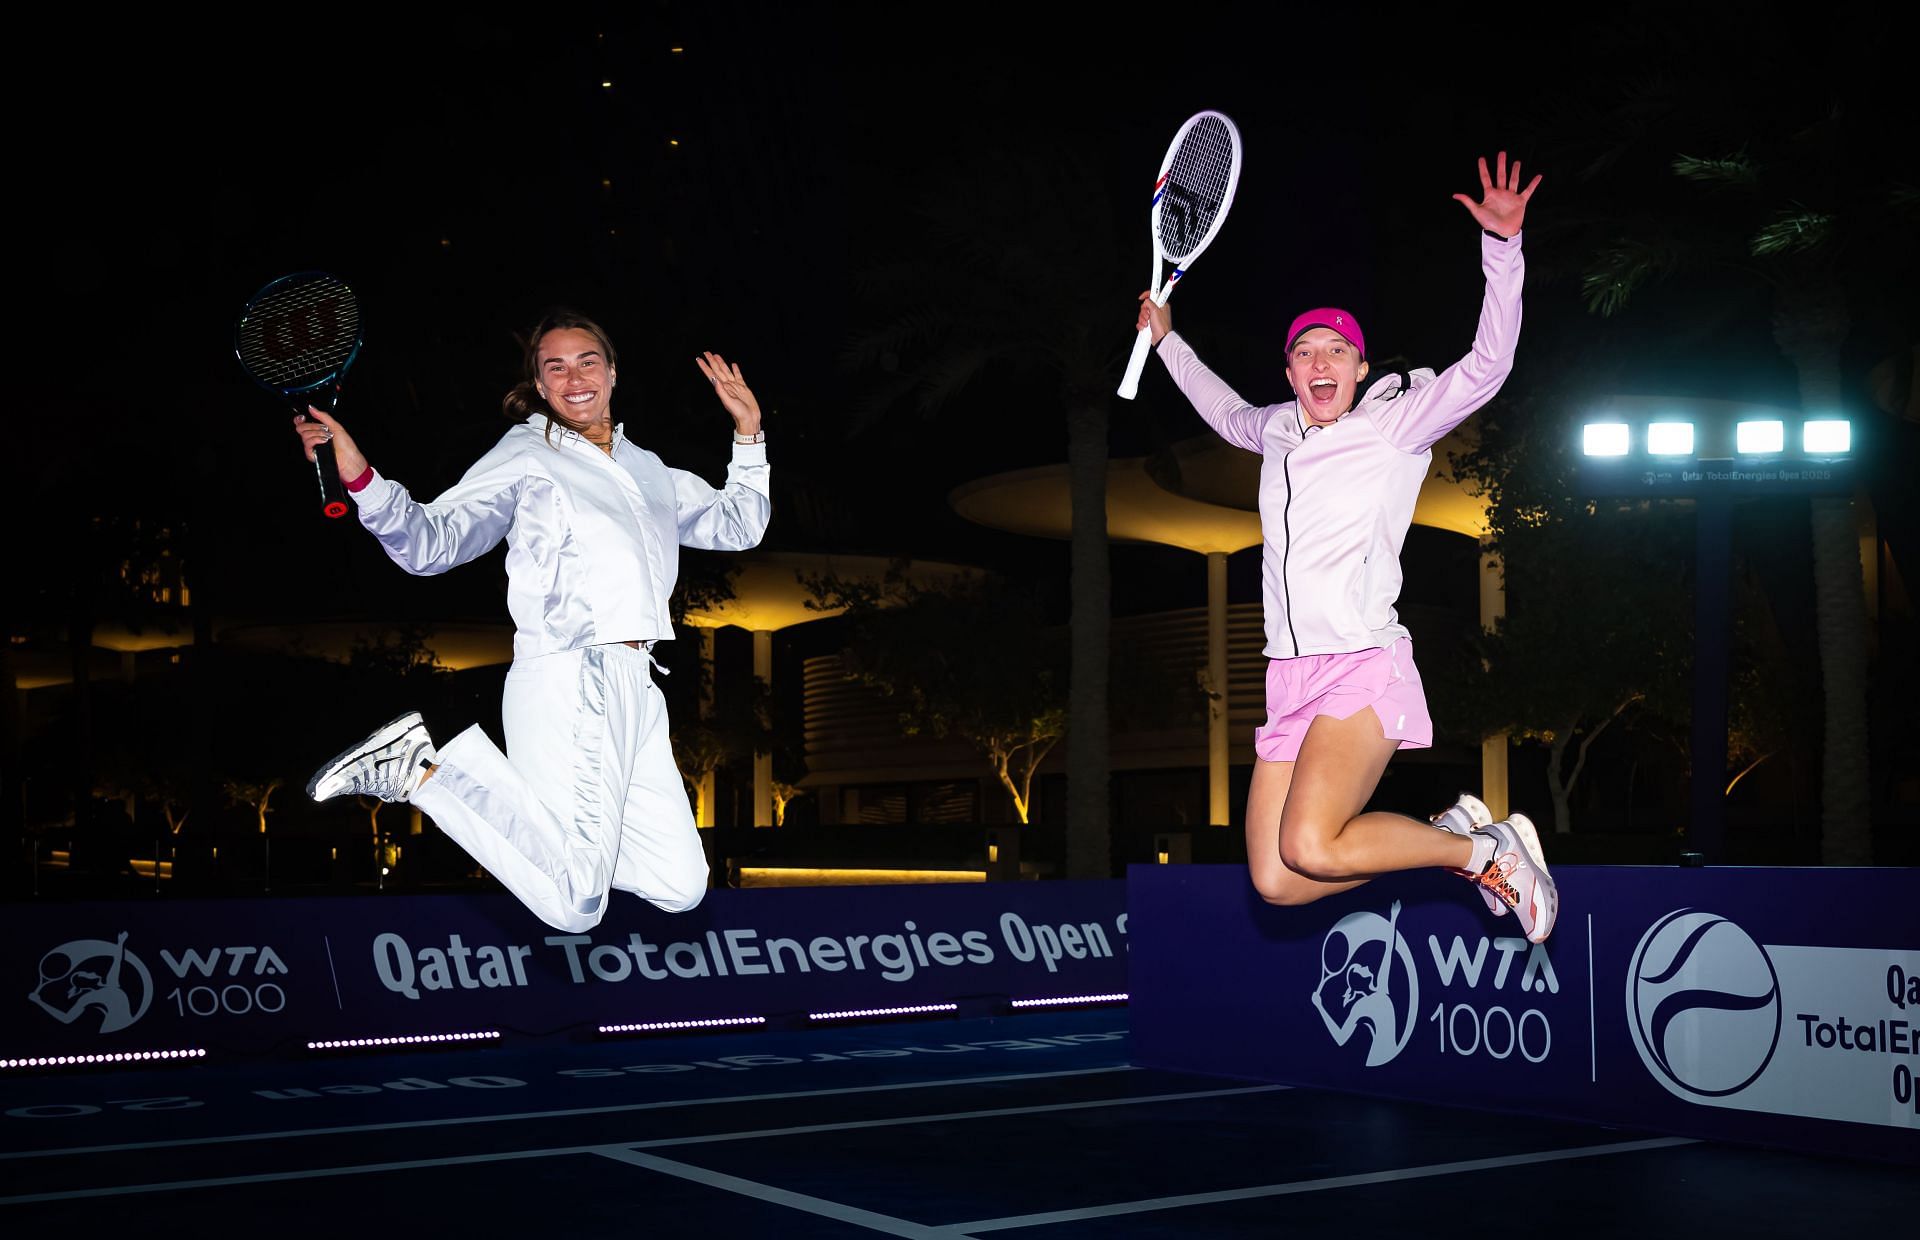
(1484, 846)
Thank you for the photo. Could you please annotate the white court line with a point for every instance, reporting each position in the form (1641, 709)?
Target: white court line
(779, 1196)
(659, 1143)
(1593, 1040)
(564, 1114)
(957, 1231)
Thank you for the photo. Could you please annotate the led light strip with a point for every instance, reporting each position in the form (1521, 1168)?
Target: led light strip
(894, 1011)
(416, 1039)
(1026, 1003)
(715, 1023)
(68, 1061)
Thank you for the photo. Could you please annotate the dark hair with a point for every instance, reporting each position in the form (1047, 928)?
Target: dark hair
(524, 399)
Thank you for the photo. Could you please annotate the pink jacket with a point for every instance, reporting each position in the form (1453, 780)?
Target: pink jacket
(1336, 500)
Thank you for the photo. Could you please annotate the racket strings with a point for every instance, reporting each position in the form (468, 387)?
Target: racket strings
(1197, 184)
(300, 334)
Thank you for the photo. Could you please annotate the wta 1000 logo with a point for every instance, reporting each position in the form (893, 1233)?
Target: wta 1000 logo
(1369, 991)
(105, 987)
(1703, 1002)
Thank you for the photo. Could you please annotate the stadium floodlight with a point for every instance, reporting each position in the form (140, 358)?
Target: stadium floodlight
(1604, 439)
(1670, 438)
(1760, 437)
(1827, 437)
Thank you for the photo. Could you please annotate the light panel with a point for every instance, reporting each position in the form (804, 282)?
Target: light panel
(1670, 438)
(1759, 438)
(1067, 999)
(75, 1061)
(1827, 437)
(411, 1039)
(653, 1026)
(892, 1011)
(1604, 439)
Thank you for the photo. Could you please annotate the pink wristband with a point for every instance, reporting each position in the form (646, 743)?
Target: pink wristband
(360, 484)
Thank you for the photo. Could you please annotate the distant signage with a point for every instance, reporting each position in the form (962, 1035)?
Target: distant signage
(1614, 477)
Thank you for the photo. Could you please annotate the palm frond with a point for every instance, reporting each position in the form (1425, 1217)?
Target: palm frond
(1620, 268)
(1735, 171)
(1792, 232)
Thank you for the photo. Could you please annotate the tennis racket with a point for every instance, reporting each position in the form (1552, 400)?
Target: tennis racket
(1190, 202)
(296, 337)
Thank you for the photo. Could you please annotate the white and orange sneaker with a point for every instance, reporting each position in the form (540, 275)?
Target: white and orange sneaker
(1517, 874)
(1462, 818)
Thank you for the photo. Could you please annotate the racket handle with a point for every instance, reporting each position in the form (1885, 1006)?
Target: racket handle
(333, 496)
(1130, 382)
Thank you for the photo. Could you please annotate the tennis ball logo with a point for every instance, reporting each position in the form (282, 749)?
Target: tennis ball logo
(1703, 1002)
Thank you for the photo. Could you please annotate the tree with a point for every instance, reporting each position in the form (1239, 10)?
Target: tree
(1611, 569)
(1013, 269)
(970, 659)
(1793, 194)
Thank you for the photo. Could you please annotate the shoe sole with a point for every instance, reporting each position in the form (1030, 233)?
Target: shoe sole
(384, 735)
(1530, 840)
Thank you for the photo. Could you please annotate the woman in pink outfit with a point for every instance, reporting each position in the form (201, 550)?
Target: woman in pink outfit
(1340, 472)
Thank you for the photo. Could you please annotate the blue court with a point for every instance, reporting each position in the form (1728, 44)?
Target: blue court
(1036, 1124)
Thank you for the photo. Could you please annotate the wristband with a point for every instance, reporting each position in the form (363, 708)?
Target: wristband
(360, 484)
(756, 437)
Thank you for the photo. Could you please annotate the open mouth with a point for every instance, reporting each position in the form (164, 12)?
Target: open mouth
(1321, 391)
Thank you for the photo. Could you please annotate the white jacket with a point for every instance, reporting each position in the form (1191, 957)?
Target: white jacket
(1336, 500)
(593, 541)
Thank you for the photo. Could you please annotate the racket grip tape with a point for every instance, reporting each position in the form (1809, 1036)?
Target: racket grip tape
(333, 496)
(1130, 382)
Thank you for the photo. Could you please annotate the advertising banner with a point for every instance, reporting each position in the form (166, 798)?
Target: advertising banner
(270, 975)
(1771, 1005)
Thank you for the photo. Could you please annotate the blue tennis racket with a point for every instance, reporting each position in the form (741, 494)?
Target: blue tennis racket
(297, 337)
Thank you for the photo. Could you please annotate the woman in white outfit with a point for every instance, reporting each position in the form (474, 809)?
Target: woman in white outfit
(589, 797)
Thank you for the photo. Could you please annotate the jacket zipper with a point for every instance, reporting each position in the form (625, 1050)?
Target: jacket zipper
(1286, 549)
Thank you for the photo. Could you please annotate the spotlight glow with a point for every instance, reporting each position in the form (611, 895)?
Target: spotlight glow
(1067, 999)
(1670, 438)
(70, 1061)
(892, 1011)
(403, 1040)
(1827, 437)
(722, 1022)
(1755, 438)
(1604, 439)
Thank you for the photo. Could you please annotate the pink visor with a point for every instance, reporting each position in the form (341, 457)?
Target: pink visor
(1333, 320)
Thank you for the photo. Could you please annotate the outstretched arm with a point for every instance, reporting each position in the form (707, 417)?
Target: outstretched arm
(1418, 420)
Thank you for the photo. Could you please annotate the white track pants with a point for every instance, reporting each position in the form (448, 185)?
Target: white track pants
(590, 799)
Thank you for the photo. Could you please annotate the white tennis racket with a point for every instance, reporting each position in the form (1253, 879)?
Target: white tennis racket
(1190, 201)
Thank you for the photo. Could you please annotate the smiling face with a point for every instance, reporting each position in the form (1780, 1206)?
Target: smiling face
(1325, 371)
(575, 377)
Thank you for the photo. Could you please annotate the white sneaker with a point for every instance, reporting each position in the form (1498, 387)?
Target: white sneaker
(1518, 875)
(1461, 819)
(388, 764)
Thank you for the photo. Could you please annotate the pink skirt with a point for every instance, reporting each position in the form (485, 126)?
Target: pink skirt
(1341, 685)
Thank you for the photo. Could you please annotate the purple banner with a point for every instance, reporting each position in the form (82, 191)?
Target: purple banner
(1771, 1005)
(266, 975)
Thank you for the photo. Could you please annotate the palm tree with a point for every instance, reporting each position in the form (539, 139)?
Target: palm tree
(1793, 195)
(1014, 268)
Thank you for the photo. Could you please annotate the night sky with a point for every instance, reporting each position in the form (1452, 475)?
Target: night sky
(466, 173)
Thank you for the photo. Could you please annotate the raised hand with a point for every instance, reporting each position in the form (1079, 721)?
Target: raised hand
(1503, 204)
(735, 396)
